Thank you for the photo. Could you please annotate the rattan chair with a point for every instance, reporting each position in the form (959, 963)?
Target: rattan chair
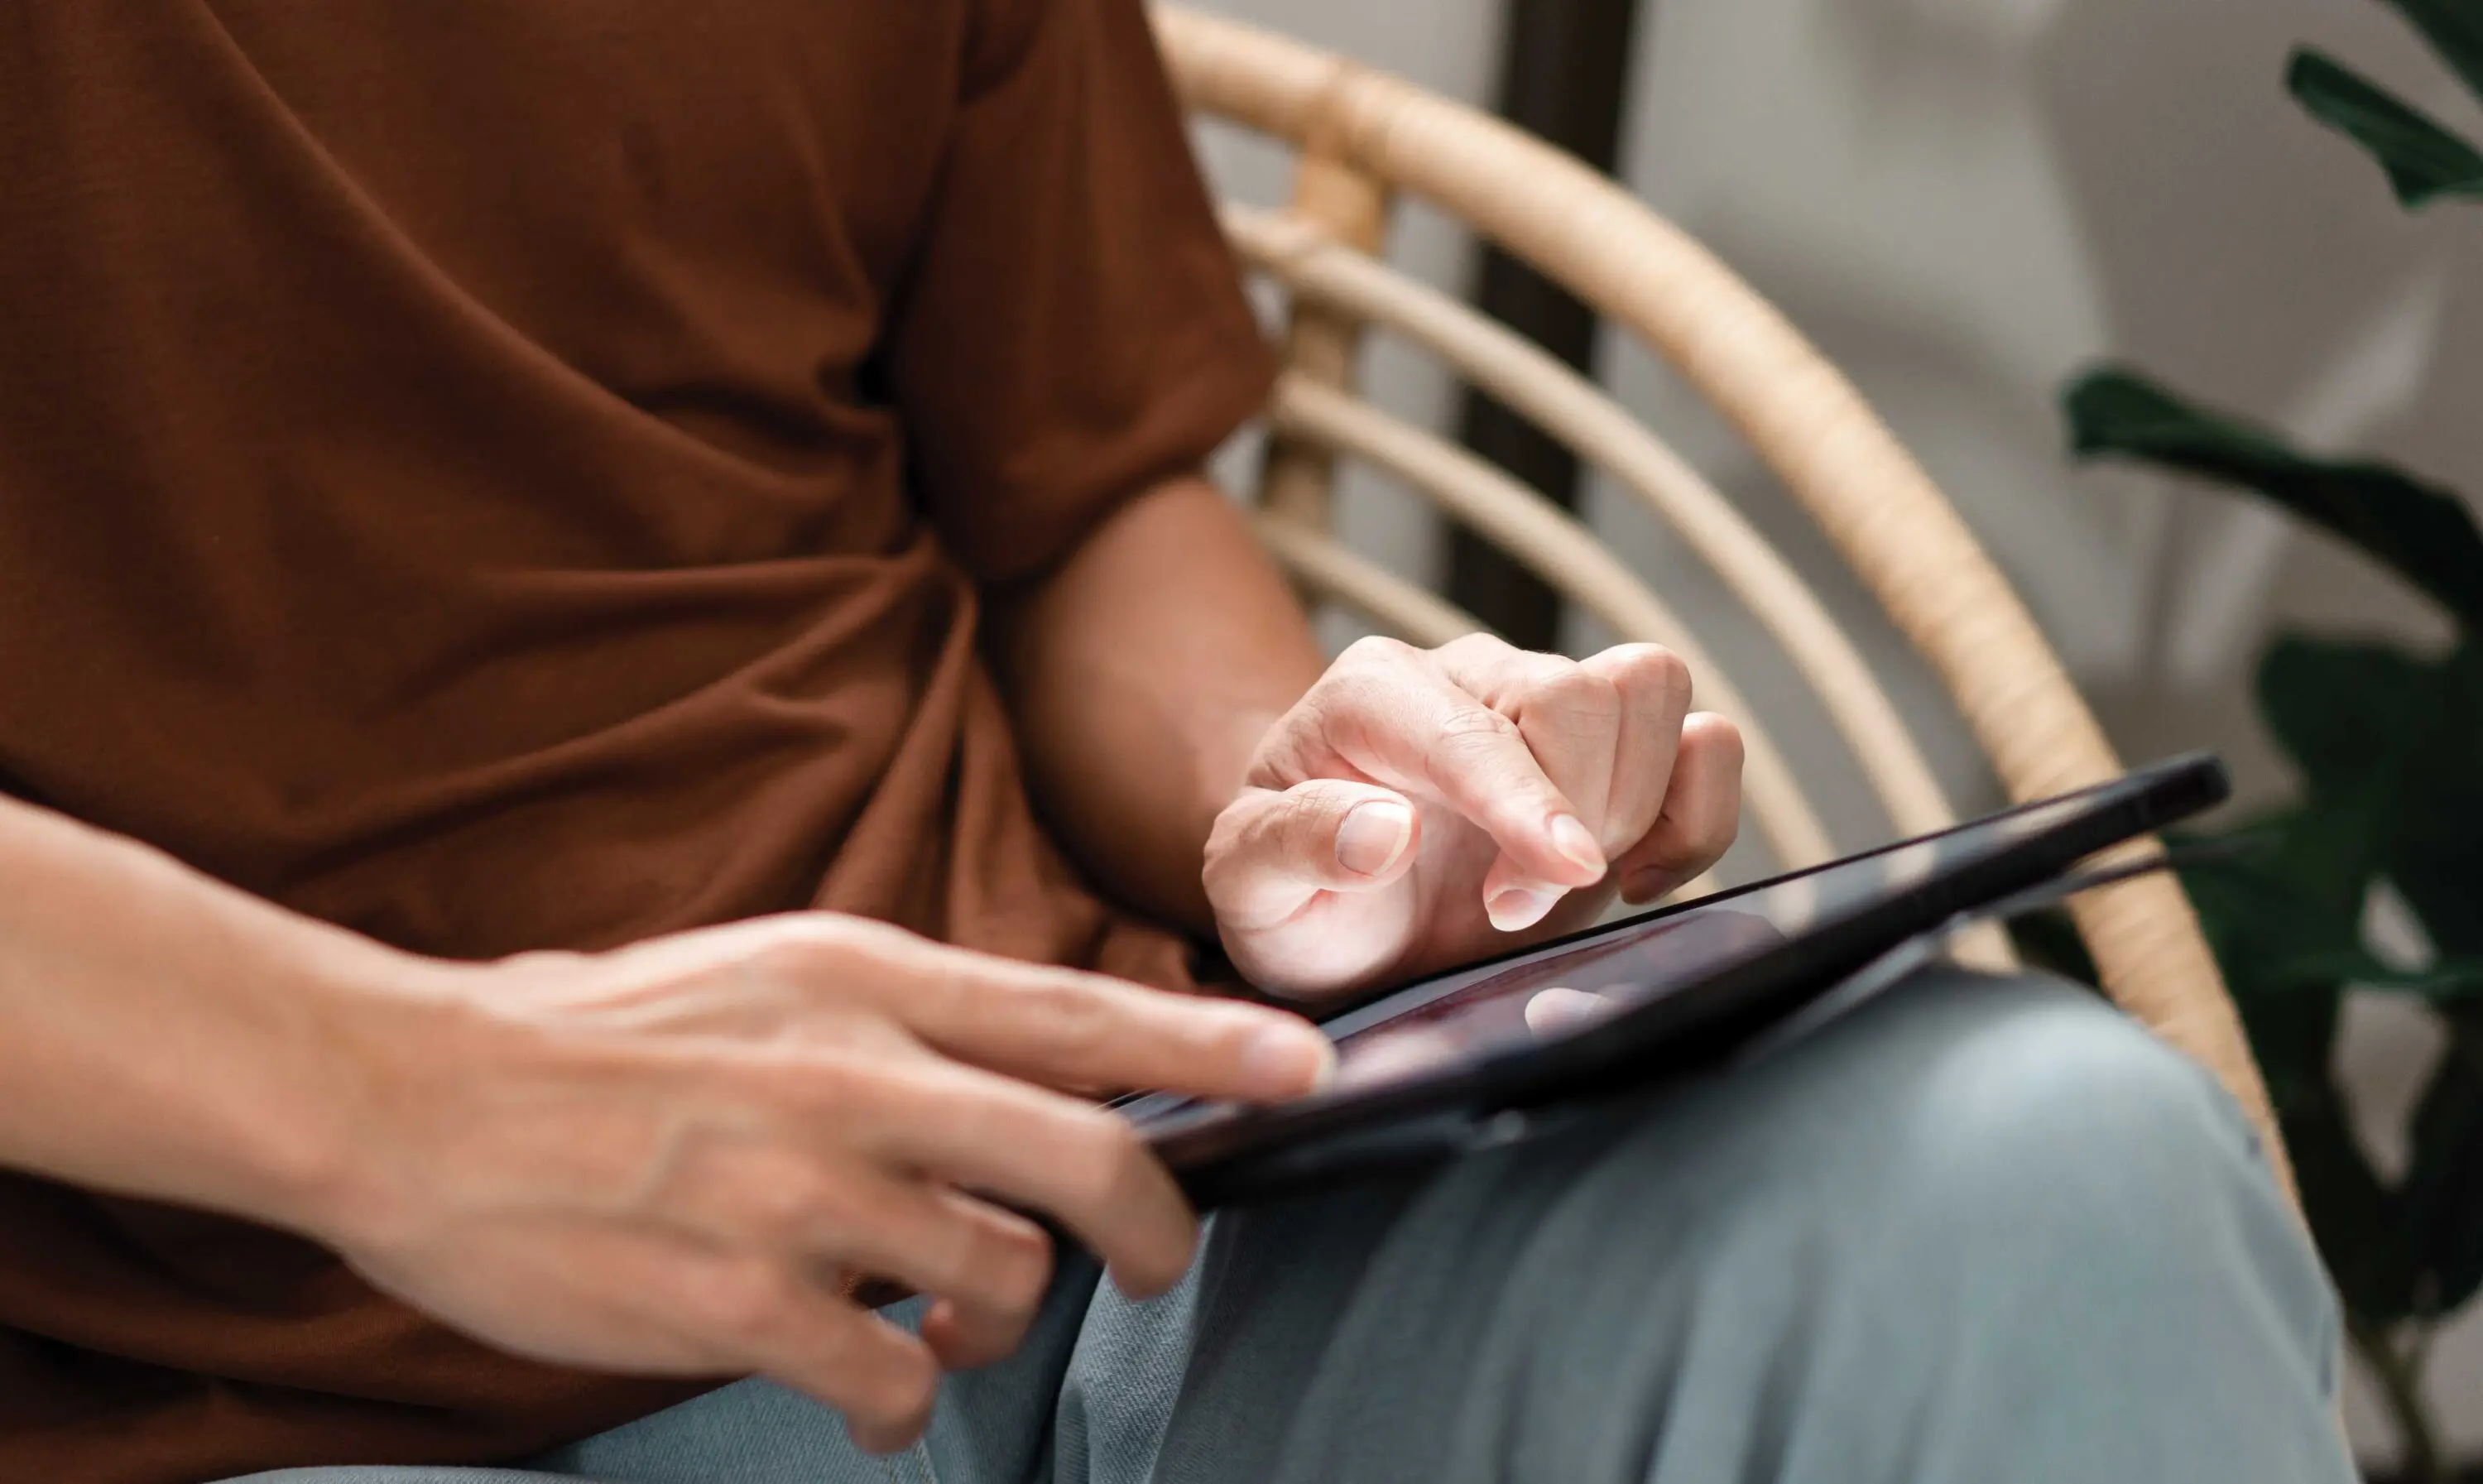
(1363, 137)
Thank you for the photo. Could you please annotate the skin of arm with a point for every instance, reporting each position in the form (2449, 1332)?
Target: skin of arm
(1397, 811)
(1143, 673)
(641, 1160)
(126, 980)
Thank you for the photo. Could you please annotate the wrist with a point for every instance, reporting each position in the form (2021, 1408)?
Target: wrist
(165, 1036)
(338, 1024)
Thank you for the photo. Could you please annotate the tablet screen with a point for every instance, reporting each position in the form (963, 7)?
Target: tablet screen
(1563, 988)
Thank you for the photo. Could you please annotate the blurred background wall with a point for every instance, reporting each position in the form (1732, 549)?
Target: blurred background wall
(1963, 202)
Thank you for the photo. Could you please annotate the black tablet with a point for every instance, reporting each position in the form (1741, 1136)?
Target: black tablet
(1485, 1052)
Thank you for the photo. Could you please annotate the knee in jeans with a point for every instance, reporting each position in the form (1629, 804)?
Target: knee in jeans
(2057, 1114)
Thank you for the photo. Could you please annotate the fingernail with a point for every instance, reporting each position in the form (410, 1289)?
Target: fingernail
(1289, 1061)
(1571, 839)
(1647, 886)
(1519, 908)
(1373, 837)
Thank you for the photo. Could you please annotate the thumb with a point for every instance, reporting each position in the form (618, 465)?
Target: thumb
(1271, 853)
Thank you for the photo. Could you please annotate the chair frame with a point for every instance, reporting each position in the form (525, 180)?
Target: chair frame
(1362, 137)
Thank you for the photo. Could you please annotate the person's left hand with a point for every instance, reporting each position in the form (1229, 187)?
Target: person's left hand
(1420, 808)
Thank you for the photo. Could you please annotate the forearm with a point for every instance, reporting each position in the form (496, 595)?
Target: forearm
(585, 1158)
(1142, 674)
(162, 1035)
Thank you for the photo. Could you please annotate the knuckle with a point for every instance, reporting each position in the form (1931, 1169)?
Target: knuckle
(1472, 737)
(1355, 712)
(1003, 1265)
(1573, 692)
(827, 1083)
(542, 961)
(784, 1207)
(1478, 647)
(800, 961)
(1356, 692)
(1019, 1123)
(1476, 726)
(1375, 652)
(1021, 1265)
(1102, 1156)
(747, 1301)
(868, 1098)
(1074, 1015)
(1305, 813)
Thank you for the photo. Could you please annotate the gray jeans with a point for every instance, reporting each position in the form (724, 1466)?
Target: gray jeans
(1977, 1230)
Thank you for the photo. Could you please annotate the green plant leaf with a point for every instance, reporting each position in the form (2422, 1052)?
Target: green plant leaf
(2423, 160)
(2454, 986)
(2390, 745)
(2433, 853)
(2454, 28)
(2347, 712)
(2442, 1197)
(2423, 533)
(2282, 930)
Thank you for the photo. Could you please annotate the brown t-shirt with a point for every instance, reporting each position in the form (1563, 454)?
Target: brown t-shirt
(503, 474)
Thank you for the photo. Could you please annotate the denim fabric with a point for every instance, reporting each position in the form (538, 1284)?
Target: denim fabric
(1978, 1228)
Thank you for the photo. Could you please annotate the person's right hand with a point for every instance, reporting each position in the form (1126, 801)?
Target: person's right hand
(667, 1159)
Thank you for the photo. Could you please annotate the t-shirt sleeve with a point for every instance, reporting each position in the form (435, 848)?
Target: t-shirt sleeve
(1073, 329)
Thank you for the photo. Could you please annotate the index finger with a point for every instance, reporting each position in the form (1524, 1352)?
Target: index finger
(1062, 1027)
(1409, 727)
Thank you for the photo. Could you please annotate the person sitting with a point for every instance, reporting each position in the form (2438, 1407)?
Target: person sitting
(622, 693)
